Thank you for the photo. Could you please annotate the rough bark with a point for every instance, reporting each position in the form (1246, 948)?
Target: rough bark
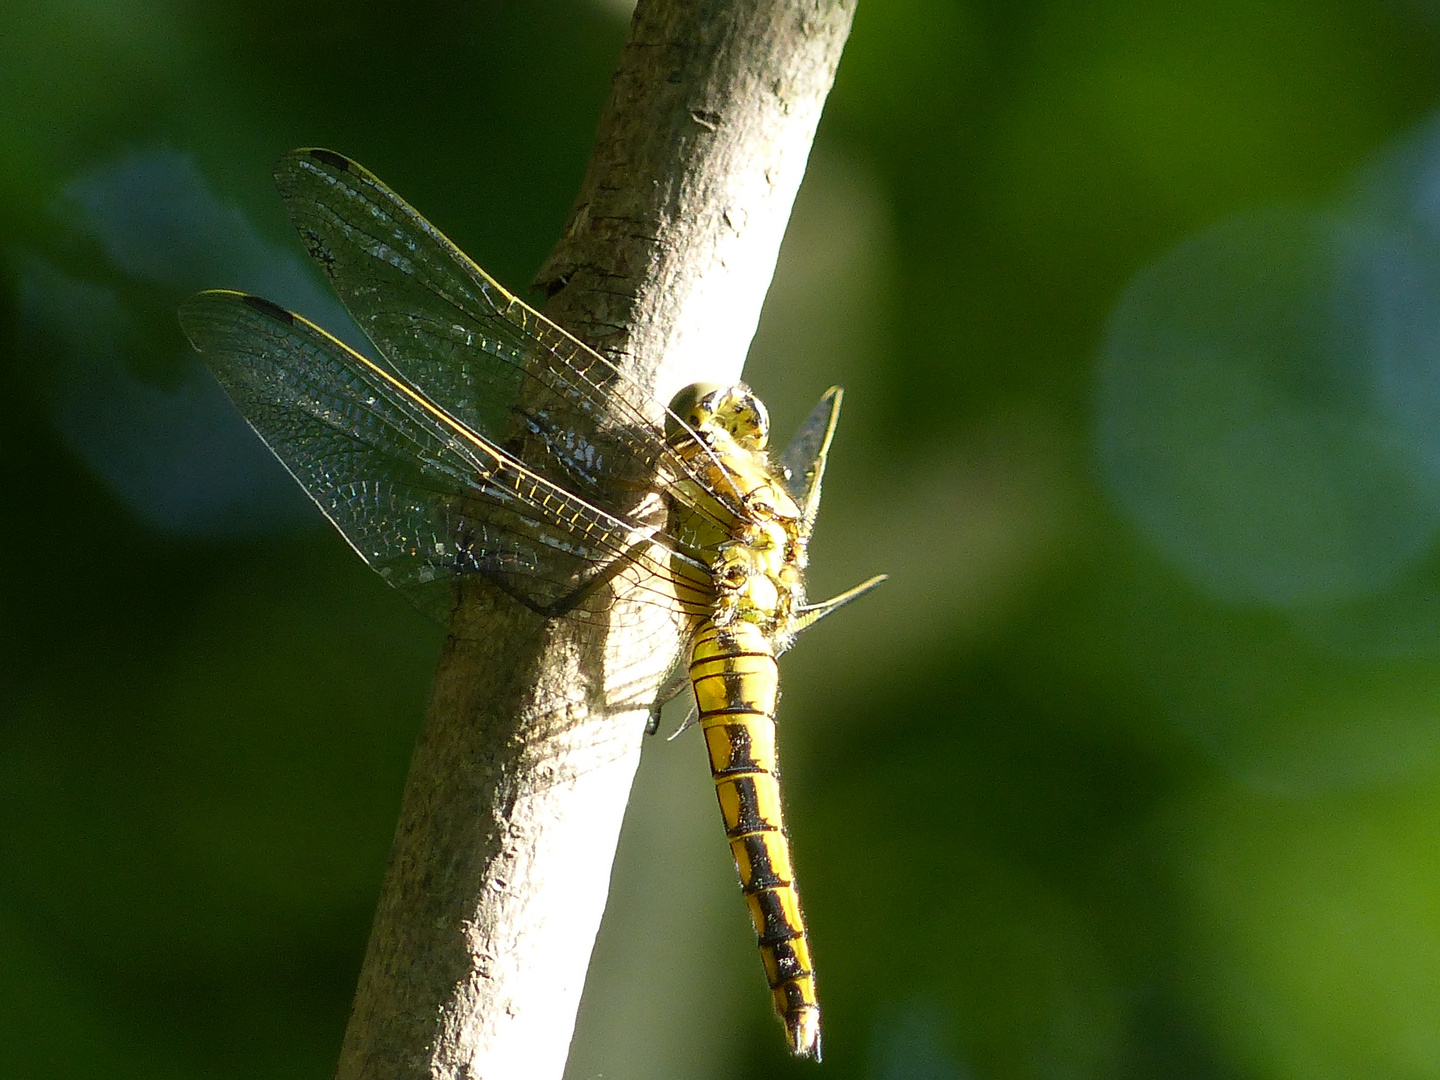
(513, 806)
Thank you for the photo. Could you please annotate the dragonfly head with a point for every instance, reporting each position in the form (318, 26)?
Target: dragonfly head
(734, 410)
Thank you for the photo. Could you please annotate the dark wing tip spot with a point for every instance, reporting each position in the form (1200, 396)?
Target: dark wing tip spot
(331, 158)
(268, 307)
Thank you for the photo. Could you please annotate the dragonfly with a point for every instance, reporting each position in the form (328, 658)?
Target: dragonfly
(486, 440)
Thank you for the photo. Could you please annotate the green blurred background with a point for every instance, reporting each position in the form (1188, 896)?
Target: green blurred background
(1133, 768)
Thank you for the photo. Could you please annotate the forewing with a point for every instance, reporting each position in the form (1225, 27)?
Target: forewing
(420, 497)
(450, 329)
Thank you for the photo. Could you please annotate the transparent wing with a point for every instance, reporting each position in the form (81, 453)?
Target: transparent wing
(420, 497)
(447, 327)
(803, 462)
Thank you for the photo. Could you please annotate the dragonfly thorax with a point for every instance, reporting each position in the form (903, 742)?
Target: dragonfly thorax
(755, 528)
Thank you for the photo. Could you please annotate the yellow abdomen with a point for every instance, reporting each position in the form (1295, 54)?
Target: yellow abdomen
(733, 671)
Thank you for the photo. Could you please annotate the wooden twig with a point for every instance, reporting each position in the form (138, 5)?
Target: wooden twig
(512, 810)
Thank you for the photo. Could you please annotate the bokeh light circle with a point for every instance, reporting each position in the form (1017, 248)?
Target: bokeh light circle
(1262, 406)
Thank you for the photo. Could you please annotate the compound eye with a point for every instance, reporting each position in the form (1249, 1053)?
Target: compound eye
(693, 406)
(758, 421)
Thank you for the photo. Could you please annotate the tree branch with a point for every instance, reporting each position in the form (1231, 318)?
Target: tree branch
(513, 806)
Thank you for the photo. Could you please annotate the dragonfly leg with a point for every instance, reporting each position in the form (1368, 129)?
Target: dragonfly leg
(676, 681)
(574, 599)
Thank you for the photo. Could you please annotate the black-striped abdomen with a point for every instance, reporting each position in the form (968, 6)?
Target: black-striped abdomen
(736, 682)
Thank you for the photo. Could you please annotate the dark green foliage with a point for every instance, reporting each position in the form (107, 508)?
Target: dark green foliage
(1063, 805)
